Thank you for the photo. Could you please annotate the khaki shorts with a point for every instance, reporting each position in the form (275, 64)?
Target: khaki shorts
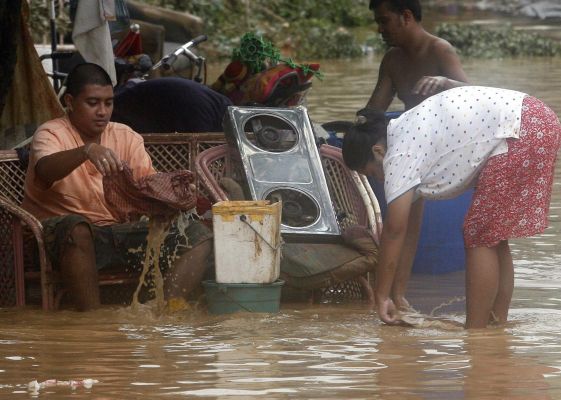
(121, 244)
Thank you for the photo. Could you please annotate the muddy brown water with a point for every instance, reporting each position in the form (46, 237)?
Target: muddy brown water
(320, 351)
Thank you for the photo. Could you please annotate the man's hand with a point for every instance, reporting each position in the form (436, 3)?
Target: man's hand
(429, 85)
(104, 159)
(387, 311)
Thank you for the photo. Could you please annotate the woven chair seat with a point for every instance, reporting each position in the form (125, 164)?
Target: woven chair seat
(333, 268)
(204, 153)
(169, 152)
(320, 265)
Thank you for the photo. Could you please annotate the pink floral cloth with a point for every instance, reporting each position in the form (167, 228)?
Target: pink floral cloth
(513, 191)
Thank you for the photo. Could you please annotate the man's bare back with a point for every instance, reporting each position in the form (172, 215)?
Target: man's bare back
(406, 71)
(417, 65)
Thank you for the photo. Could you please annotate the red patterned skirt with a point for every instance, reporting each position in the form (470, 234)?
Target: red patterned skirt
(513, 191)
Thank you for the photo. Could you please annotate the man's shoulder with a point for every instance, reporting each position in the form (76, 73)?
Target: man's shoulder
(121, 136)
(393, 52)
(393, 56)
(54, 125)
(439, 46)
(122, 129)
(56, 130)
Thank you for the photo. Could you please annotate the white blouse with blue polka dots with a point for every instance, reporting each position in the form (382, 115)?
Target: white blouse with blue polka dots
(439, 146)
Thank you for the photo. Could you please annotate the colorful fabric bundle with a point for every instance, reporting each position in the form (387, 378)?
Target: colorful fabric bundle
(259, 75)
(281, 85)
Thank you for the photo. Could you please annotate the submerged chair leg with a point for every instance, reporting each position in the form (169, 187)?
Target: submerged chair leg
(366, 289)
(18, 263)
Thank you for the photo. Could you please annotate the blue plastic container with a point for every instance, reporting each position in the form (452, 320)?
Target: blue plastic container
(441, 243)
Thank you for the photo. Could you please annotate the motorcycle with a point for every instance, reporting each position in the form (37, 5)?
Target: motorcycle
(178, 102)
(183, 103)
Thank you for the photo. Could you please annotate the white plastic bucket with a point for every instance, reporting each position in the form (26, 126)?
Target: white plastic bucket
(247, 241)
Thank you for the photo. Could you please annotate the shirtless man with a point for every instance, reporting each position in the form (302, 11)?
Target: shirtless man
(418, 64)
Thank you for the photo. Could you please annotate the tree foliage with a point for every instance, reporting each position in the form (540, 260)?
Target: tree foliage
(312, 29)
(306, 28)
(504, 41)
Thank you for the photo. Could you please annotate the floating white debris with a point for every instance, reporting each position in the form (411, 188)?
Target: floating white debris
(35, 386)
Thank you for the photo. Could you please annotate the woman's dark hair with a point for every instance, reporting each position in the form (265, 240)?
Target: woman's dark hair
(399, 6)
(370, 128)
(86, 74)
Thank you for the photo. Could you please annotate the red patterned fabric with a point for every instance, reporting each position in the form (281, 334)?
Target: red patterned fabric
(158, 194)
(280, 85)
(514, 189)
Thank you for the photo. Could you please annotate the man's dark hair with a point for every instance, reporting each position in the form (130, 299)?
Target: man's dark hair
(370, 128)
(86, 74)
(399, 6)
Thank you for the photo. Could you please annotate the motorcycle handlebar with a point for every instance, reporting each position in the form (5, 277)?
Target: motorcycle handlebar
(168, 61)
(197, 40)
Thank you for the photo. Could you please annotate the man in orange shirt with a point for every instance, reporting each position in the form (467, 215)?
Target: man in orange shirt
(64, 189)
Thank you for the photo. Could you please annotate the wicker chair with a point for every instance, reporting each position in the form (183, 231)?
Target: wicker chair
(12, 288)
(18, 228)
(350, 193)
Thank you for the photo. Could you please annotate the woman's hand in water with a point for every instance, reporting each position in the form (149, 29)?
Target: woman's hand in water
(387, 311)
(401, 303)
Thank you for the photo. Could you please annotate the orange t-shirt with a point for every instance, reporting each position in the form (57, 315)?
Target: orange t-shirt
(81, 191)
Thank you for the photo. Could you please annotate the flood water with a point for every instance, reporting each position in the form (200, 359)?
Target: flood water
(321, 351)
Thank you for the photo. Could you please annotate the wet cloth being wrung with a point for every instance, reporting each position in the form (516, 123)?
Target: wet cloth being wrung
(160, 194)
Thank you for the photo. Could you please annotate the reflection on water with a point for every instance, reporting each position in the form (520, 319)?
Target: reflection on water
(315, 351)
(304, 352)
(348, 84)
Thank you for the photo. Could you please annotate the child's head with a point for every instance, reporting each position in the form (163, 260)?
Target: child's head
(89, 99)
(364, 143)
(86, 74)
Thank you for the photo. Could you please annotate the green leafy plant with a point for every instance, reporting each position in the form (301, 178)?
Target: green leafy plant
(319, 39)
(257, 52)
(313, 29)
